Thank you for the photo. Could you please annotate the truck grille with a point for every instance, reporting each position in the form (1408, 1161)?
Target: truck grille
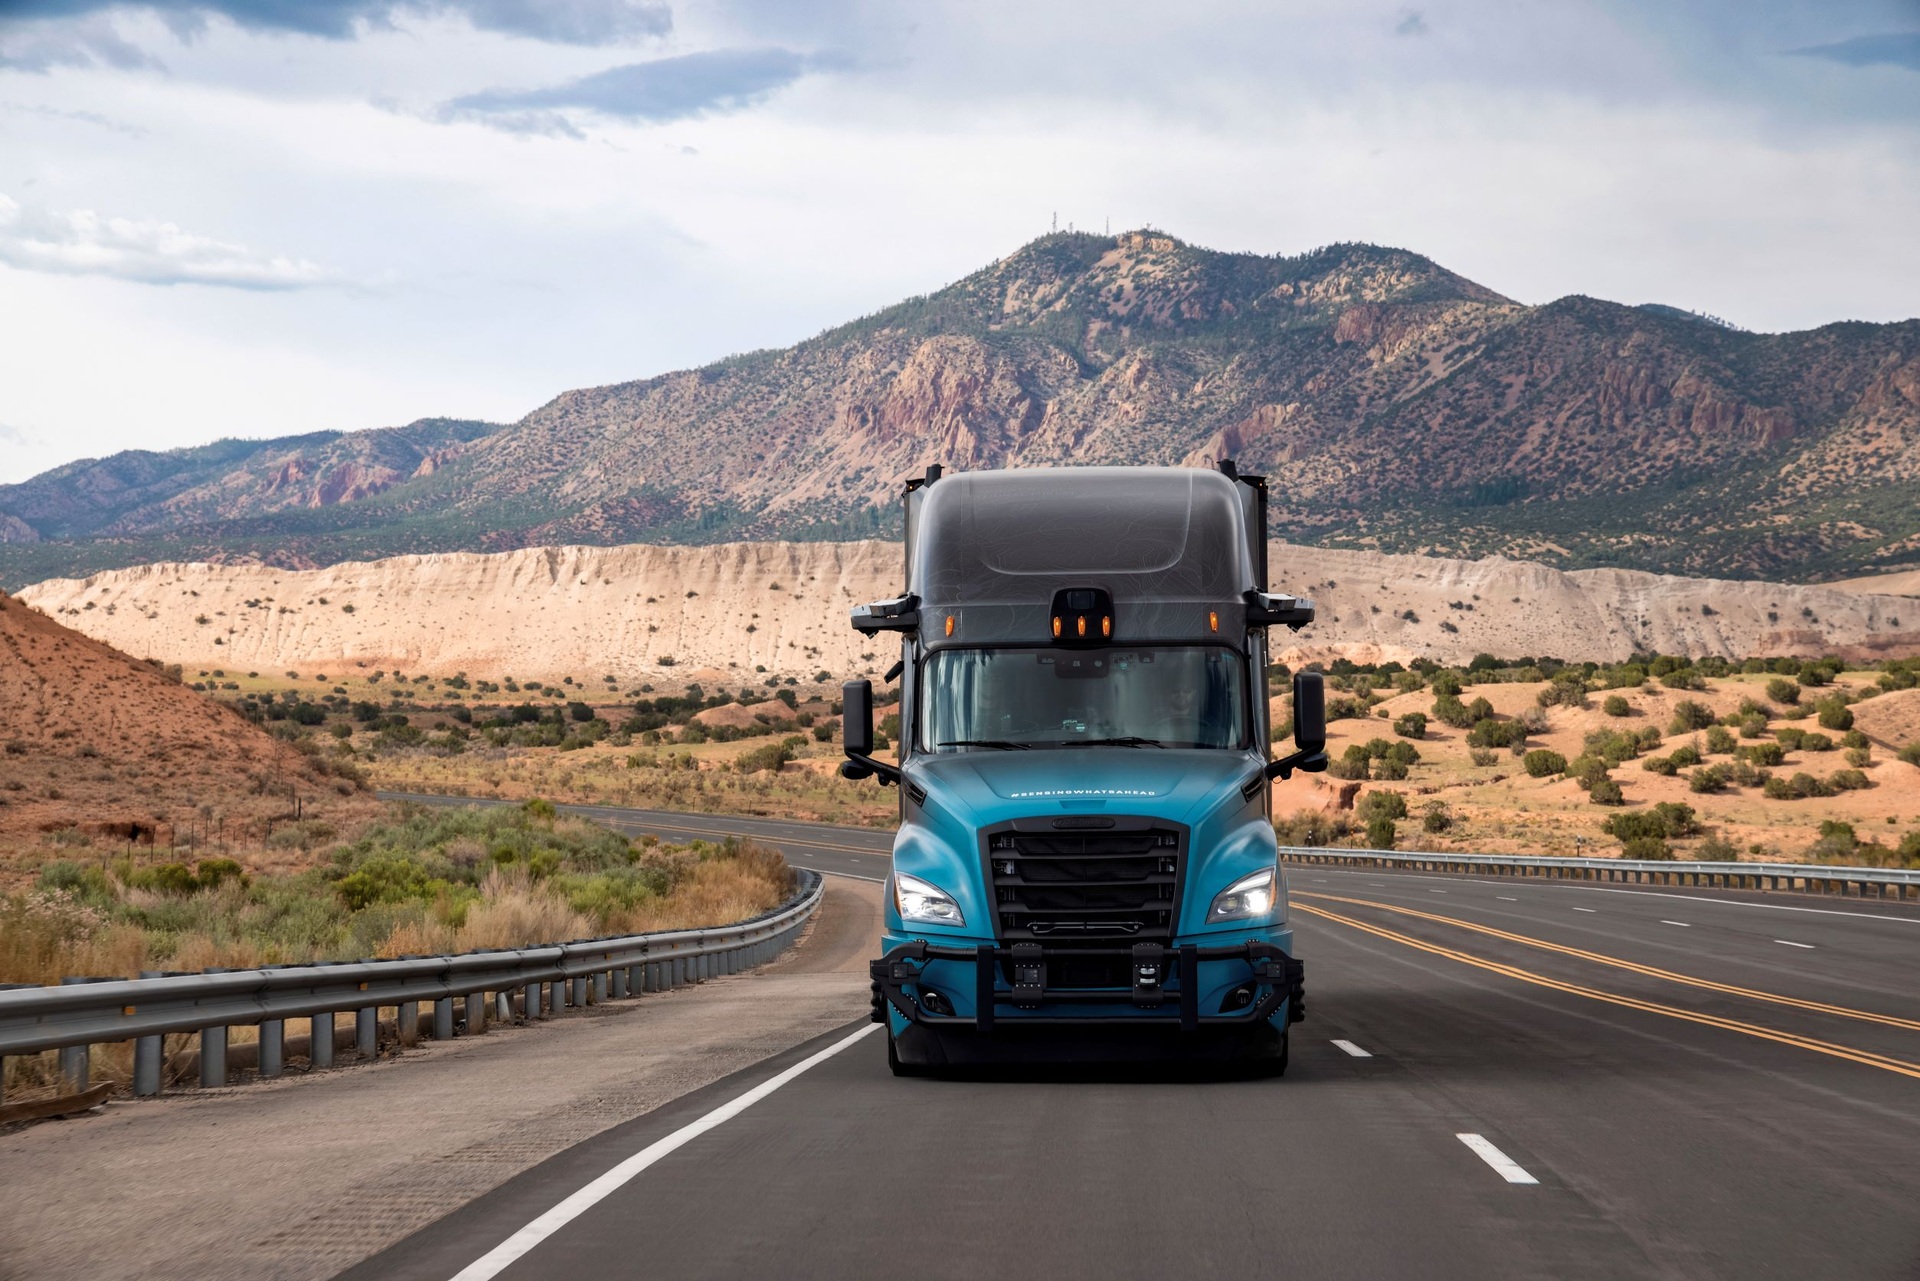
(1077, 885)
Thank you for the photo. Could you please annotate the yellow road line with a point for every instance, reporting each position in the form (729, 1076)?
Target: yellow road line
(1601, 958)
(1865, 1057)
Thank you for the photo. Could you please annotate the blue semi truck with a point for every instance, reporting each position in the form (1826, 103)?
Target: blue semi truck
(1085, 865)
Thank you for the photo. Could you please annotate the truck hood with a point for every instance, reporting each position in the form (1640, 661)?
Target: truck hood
(939, 841)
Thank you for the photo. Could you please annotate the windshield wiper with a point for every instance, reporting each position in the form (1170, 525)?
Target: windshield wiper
(1130, 740)
(1004, 744)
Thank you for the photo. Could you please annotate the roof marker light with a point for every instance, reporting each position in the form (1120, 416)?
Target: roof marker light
(1083, 625)
(949, 624)
(1106, 624)
(1056, 626)
(1213, 621)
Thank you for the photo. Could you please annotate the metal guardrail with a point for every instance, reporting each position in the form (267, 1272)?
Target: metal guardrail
(1812, 878)
(498, 984)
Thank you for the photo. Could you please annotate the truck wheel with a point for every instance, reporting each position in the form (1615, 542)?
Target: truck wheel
(898, 1068)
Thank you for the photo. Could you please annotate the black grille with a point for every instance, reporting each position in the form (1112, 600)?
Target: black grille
(1104, 888)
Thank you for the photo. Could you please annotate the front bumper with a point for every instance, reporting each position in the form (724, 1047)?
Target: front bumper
(905, 984)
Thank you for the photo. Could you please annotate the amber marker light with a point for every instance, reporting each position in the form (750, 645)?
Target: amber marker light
(1083, 625)
(1213, 621)
(1106, 624)
(949, 624)
(1056, 626)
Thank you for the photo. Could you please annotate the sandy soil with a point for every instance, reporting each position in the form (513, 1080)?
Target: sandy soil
(302, 1177)
(720, 613)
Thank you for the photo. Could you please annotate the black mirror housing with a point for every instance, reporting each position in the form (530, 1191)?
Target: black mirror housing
(856, 717)
(1309, 711)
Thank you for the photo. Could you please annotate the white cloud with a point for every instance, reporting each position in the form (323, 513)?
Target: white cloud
(80, 242)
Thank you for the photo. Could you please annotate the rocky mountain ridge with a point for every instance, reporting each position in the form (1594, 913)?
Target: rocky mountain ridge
(1395, 406)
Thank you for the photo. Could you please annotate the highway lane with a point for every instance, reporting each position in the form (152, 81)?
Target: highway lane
(1673, 1129)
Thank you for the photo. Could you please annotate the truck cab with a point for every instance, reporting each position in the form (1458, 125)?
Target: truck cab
(1085, 865)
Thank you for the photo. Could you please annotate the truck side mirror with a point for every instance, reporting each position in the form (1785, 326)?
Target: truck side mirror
(856, 717)
(1309, 711)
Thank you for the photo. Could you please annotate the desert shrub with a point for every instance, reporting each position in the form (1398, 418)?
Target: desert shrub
(1708, 778)
(1446, 684)
(1492, 733)
(1411, 725)
(1683, 680)
(1763, 753)
(1911, 753)
(1479, 710)
(1662, 765)
(1381, 804)
(1854, 738)
(1449, 710)
(1312, 829)
(1586, 770)
(768, 756)
(1719, 741)
(1776, 789)
(1390, 770)
(1745, 774)
(1685, 755)
(1752, 725)
(1834, 714)
(1604, 791)
(1859, 757)
(1848, 780)
(1799, 787)
(1789, 736)
(1651, 848)
(1435, 817)
(1381, 834)
(1669, 819)
(1783, 691)
(1614, 705)
(1717, 849)
(1814, 675)
(1612, 746)
(1484, 756)
(1566, 689)
(1689, 715)
(1542, 762)
(1815, 743)
(1354, 763)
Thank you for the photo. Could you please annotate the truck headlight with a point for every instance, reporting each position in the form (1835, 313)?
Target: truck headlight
(1247, 897)
(919, 901)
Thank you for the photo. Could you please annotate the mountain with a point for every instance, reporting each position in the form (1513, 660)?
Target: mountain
(1395, 406)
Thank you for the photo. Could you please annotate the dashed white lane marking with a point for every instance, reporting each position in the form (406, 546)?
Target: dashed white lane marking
(1791, 943)
(1507, 1167)
(1436, 891)
(1353, 1049)
(498, 1259)
(1685, 925)
(1506, 898)
(1586, 909)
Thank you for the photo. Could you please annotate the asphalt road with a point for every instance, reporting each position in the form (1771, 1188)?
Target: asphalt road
(1697, 1083)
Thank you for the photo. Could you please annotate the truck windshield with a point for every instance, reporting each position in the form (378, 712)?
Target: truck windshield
(1165, 696)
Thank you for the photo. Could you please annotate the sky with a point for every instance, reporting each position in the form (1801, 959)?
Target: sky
(262, 217)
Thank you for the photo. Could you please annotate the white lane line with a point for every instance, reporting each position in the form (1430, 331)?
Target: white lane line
(1586, 909)
(1500, 1161)
(851, 876)
(1791, 943)
(1353, 1049)
(1685, 925)
(1436, 891)
(1506, 898)
(498, 1259)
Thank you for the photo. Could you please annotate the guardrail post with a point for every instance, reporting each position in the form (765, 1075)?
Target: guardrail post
(213, 1056)
(533, 1001)
(578, 996)
(406, 1022)
(600, 987)
(503, 1006)
(320, 1041)
(366, 1031)
(273, 1047)
(443, 1019)
(476, 1013)
(557, 996)
(622, 982)
(148, 1051)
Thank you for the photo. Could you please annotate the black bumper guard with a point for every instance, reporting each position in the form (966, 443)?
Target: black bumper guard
(1270, 965)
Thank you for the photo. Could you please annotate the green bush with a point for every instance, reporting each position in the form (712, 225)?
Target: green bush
(1814, 675)
(1911, 753)
(1605, 791)
(1668, 820)
(1587, 770)
(1446, 684)
(1685, 755)
(1380, 834)
(1411, 725)
(1848, 780)
(1815, 743)
(1834, 714)
(1783, 691)
(769, 756)
(1763, 753)
(1390, 770)
(1662, 765)
(1854, 738)
(1614, 705)
(1541, 762)
(1651, 848)
(1492, 733)
(1859, 757)
(1719, 741)
(1484, 756)
(1789, 736)
(1449, 710)
(1708, 778)
(1381, 804)
(1437, 818)
(1689, 715)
